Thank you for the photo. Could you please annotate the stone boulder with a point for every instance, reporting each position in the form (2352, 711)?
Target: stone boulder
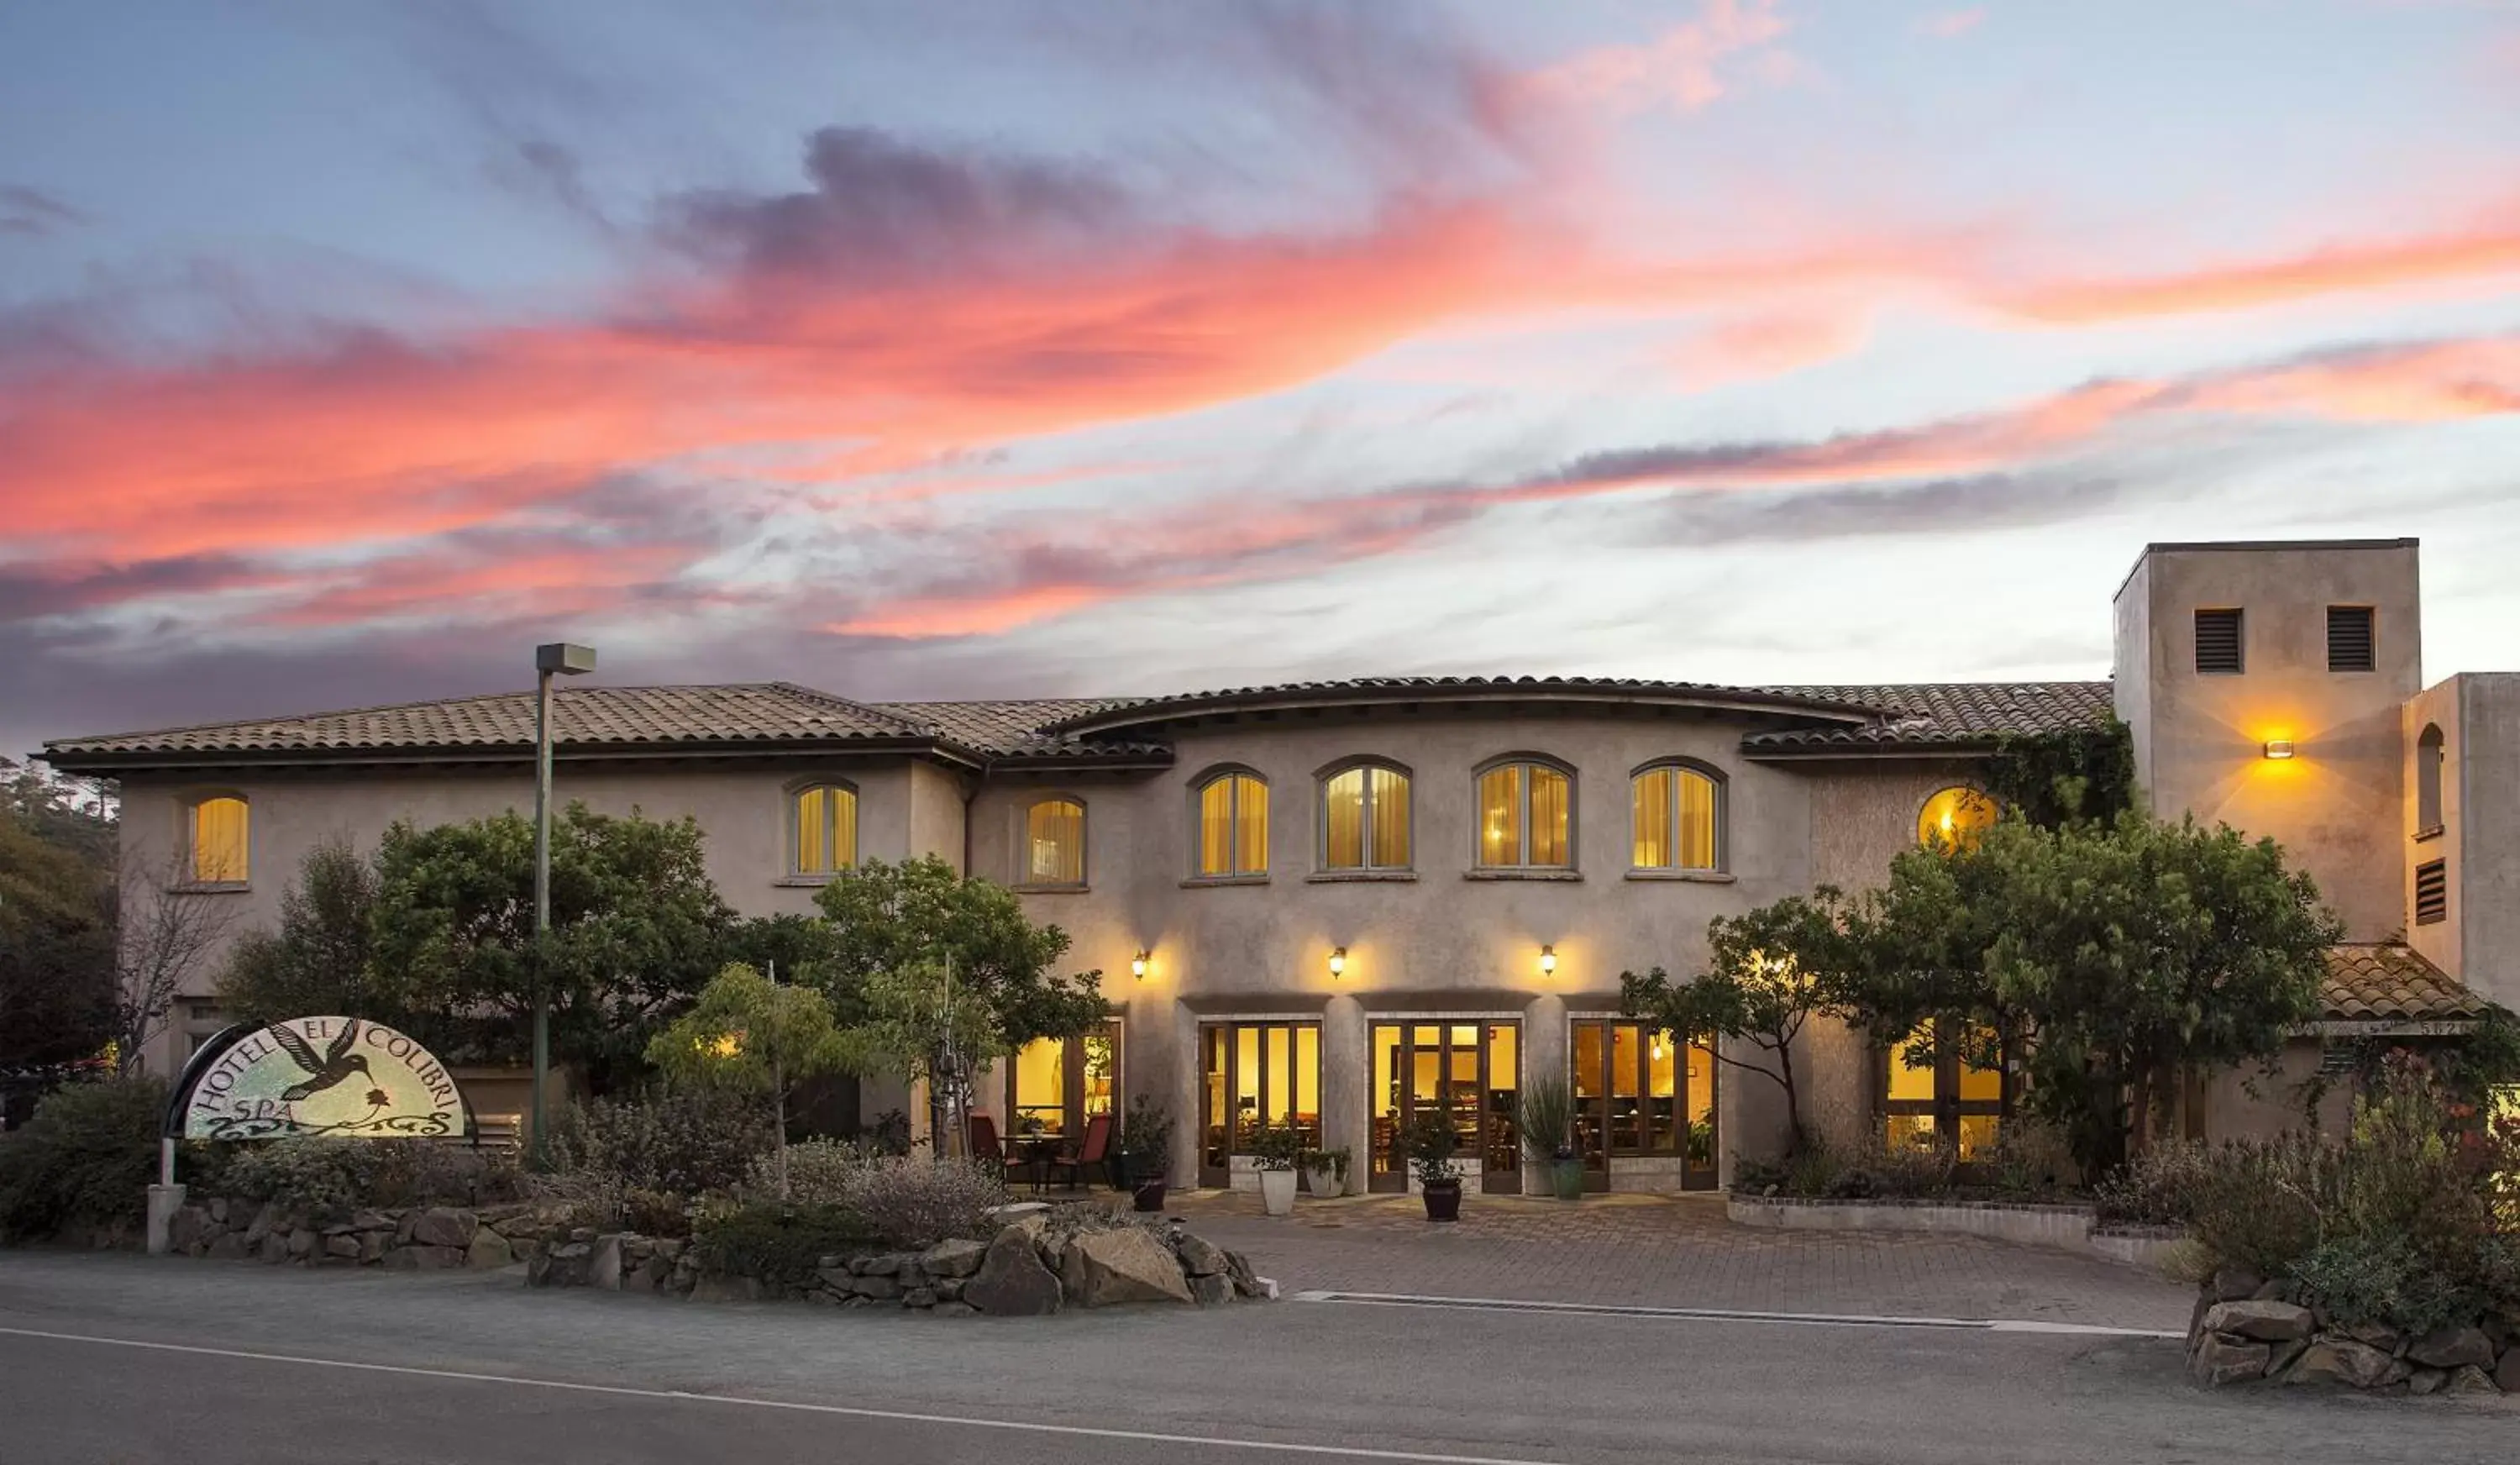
(952, 1259)
(1010, 1281)
(228, 1248)
(2506, 1377)
(2342, 1360)
(2469, 1379)
(604, 1264)
(344, 1247)
(2453, 1348)
(2222, 1359)
(1212, 1288)
(1108, 1268)
(2267, 1322)
(489, 1250)
(444, 1226)
(2235, 1283)
(189, 1228)
(1199, 1257)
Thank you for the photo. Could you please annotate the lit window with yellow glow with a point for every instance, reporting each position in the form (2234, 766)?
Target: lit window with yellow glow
(1950, 1099)
(1676, 819)
(1954, 818)
(1525, 811)
(216, 837)
(822, 829)
(1054, 842)
(1233, 827)
(1365, 820)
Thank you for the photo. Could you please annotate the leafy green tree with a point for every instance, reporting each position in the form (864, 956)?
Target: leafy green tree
(920, 1025)
(57, 951)
(637, 928)
(322, 958)
(1768, 971)
(890, 918)
(751, 1033)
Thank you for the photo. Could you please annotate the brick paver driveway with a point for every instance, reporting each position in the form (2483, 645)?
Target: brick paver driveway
(1671, 1252)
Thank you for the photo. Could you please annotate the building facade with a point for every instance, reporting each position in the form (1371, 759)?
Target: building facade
(1340, 905)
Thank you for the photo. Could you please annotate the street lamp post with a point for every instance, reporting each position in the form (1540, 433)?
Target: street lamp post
(558, 658)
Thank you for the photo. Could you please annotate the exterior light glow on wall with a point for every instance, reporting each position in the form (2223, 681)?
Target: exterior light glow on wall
(1548, 961)
(1137, 964)
(1338, 960)
(2279, 747)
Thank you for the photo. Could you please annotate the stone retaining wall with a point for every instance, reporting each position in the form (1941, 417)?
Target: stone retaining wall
(419, 1237)
(2060, 1227)
(2248, 1330)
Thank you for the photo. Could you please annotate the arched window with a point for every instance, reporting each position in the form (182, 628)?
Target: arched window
(1526, 815)
(1233, 826)
(1677, 813)
(822, 830)
(2428, 780)
(1365, 818)
(216, 839)
(1953, 818)
(1054, 842)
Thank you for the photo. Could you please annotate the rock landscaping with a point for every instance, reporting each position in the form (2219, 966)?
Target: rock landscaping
(1032, 1267)
(2248, 1330)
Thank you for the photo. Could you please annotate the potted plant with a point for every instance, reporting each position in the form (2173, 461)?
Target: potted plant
(1432, 1142)
(1146, 1151)
(1325, 1171)
(1274, 1155)
(1548, 1121)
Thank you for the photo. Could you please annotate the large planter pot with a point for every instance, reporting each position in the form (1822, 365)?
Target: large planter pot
(1566, 1178)
(1443, 1201)
(1325, 1180)
(1277, 1191)
(1149, 1192)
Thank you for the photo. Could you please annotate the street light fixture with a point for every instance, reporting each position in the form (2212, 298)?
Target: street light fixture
(558, 658)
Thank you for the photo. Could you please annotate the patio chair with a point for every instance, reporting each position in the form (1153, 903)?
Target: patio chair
(985, 1147)
(1095, 1149)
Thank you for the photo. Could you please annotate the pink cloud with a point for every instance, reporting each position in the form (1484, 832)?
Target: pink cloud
(1951, 23)
(1684, 69)
(1749, 347)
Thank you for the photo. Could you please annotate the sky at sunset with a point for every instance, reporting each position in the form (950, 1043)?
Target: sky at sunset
(964, 349)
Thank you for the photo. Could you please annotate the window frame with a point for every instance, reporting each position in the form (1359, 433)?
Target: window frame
(1074, 1103)
(1025, 878)
(791, 795)
(187, 826)
(1723, 800)
(1946, 1107)
(1524, 763)
(1593, 1115)
(1219, 1061)
(2432, 758)
(1207, 779)
(1370, 867)
(1918, 825)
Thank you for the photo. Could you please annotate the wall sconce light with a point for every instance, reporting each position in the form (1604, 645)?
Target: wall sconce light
(1338, 960)
(1547, 959)
(2279, 747)
(1137, 964)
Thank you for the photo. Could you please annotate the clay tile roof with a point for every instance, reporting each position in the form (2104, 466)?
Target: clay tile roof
(1937, 714)
(1358, 689)
(1018, 729)
(2382, 981)
(764, 712)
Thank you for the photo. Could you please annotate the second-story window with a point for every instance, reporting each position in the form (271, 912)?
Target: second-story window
(1365, 819)
(1525, 817)
(1678, 819)
(1054, 842)
(1233, 826)
(216, 842)
(822, 830)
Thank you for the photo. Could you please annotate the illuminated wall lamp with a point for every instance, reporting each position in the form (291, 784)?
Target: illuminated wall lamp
(1137, 964)
(2279, 747)
(1339, 960)
(1548, 961)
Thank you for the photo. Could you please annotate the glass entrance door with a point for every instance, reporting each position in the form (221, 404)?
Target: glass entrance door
(1470, 1073)
(1639, 1093)
(1255, 1075)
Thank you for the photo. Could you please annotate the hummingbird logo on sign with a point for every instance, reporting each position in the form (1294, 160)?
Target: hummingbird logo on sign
(335, 1063)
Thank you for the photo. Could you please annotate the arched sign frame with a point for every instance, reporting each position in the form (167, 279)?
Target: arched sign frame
(315, 1076)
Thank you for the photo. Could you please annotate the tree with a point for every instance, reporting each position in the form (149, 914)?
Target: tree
(637, 928)
(751, 1033)
(890, 923)
(1768, 971)
(163, 933)
(922, 1026)
(55, 949)
(322, 958)
(2138, 950)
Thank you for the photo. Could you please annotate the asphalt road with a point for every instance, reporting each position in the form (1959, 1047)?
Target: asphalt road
(108, 1358)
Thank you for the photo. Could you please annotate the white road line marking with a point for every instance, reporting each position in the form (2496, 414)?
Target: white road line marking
(906, 1417)
(1726, 1315)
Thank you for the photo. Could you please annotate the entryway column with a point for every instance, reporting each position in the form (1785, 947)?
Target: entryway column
(1345, 1105)
(1543, 1057)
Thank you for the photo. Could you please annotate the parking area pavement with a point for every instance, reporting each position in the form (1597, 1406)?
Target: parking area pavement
(1671, 1251)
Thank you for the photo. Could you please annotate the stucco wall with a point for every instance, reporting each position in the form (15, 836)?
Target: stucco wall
(2247, 1102)
(2335, 805)
(2438, 942)
(2481, 811)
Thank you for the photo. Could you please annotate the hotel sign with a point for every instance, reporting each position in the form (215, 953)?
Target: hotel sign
(322, 1076)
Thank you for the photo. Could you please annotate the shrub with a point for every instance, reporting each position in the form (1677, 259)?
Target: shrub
(322, 1176)
(778, 1243)
(1892, 1171)
(2159, 1189)
(819, 1171)
(686, 1143)
(2033, 1159)
(1147, 1137)
(87, 1157)
(2362, 1278)
(910, 1202)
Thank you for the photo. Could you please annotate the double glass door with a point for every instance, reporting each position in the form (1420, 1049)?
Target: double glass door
(1255, 1075)
(1637, 1093)
(1470, 1074)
